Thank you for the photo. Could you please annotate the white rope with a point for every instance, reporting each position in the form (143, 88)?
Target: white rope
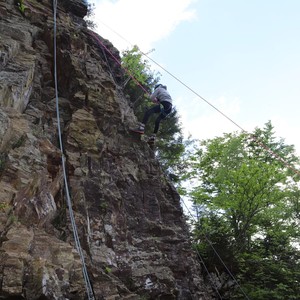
(89, 289)
(215, 251)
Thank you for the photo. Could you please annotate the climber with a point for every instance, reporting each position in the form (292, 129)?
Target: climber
(162, 98)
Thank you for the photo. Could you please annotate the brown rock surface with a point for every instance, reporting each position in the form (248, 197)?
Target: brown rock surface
(131, 227)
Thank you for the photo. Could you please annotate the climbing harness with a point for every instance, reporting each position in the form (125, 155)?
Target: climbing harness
(76, 238)
(269, 150)
(164, 113)
(89, 289)
(162, 109)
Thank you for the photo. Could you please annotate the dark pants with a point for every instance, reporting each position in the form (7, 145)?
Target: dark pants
(167, 108)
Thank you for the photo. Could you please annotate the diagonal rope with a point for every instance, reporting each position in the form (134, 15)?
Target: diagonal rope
(94, 35)
(89, 289)
(268, 149)
(176, 78)
(219, 257)
(76, 238)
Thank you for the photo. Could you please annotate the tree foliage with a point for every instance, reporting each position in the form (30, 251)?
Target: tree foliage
(139, 79)
(139, 83)
(248, 201)
(89, 18)
(138, 68)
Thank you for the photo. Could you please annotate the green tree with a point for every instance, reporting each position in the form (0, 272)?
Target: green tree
(139, 69)
(139, 79)
(89, 18)
(139, 83)
(248, 197)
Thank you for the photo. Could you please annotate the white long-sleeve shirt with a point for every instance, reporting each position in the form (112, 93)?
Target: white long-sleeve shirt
(161, 94)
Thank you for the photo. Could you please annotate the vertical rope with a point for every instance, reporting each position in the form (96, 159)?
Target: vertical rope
(89, 289)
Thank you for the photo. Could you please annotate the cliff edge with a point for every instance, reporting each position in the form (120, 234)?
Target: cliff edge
(130, 223)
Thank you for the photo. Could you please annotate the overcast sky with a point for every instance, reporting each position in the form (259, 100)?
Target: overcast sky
(243, 57)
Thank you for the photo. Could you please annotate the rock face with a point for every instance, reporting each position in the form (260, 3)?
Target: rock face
(128, 216)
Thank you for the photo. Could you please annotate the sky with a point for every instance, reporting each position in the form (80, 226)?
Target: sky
(237, 57)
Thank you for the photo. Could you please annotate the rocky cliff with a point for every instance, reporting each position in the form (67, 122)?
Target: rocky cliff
(128, 215)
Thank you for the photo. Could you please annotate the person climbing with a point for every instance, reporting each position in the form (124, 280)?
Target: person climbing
(162, 98)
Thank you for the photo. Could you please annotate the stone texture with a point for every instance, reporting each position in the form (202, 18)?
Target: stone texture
(130, 224)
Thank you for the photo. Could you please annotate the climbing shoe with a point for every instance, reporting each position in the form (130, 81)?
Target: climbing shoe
(151, 139)
(140, 129)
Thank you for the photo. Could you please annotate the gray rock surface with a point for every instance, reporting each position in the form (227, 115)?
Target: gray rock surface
(130, 223)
